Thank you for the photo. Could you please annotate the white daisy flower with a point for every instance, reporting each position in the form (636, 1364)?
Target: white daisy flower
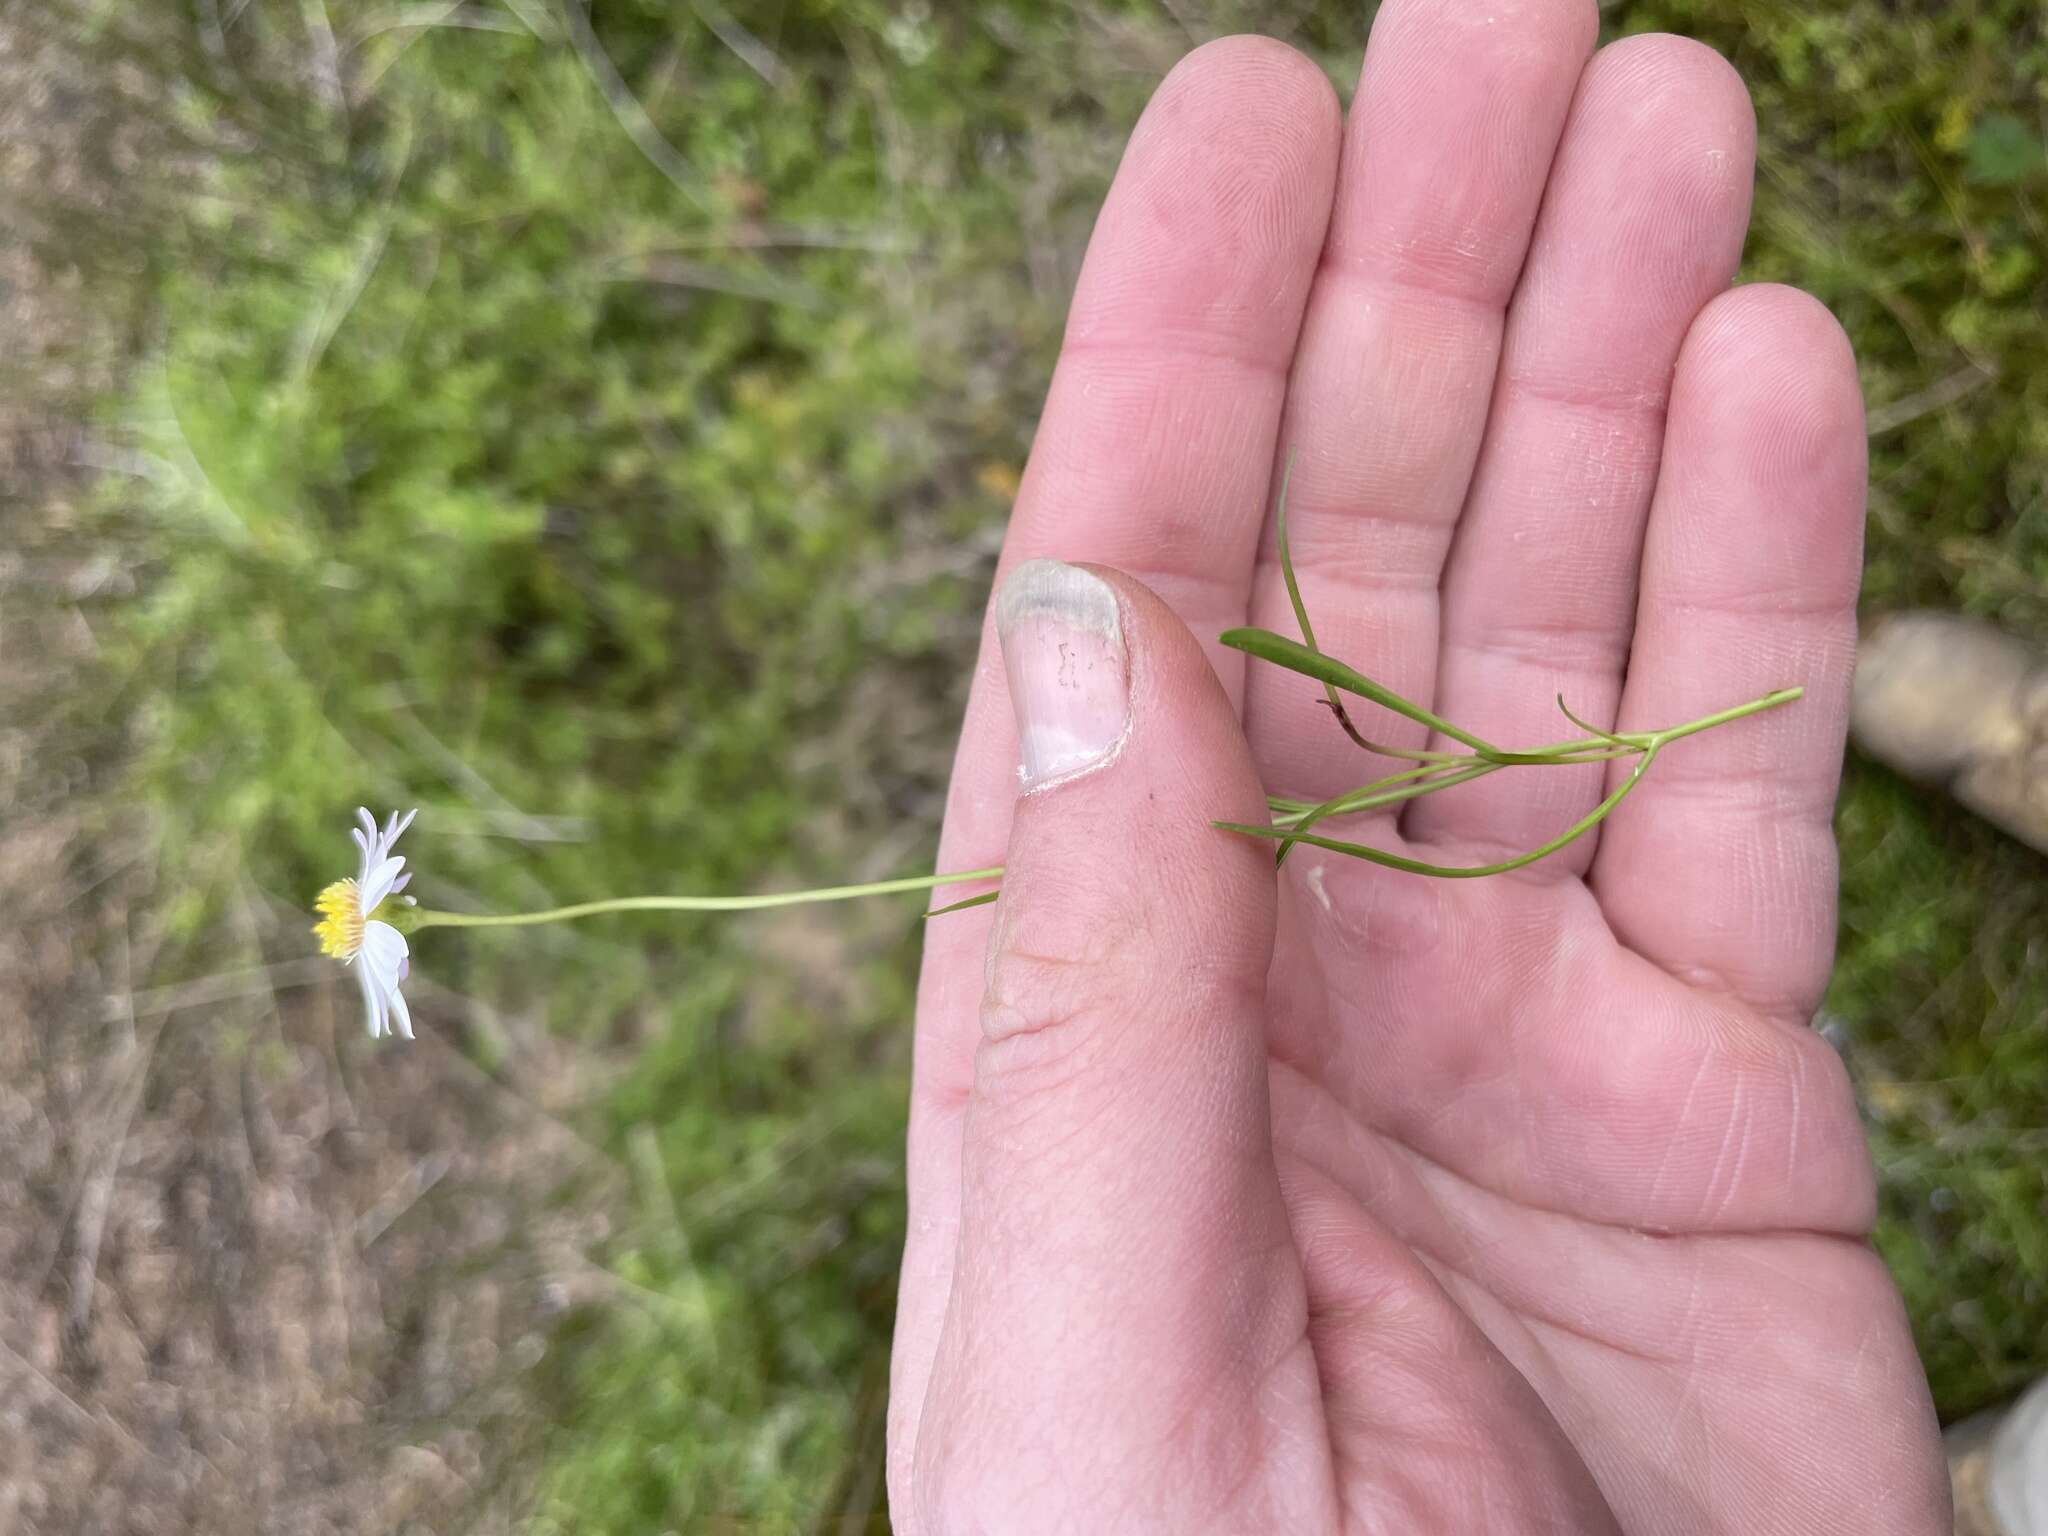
(349, 930)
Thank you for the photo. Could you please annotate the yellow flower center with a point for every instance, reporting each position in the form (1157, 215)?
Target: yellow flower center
(340, 929)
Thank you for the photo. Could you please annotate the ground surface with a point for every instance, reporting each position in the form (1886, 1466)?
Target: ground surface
(597, 435)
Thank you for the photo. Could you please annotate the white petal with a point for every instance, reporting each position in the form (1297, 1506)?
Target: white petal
(401, 1016)
(367, 841)
(384, 952)
(373, 1000)
(376, 885)
(385, 962)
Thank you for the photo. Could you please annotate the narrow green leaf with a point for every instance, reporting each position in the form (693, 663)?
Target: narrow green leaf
(982, 900)
(1283, 652)
(1308, 633)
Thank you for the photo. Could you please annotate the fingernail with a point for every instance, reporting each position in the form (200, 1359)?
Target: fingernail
(1063, 648)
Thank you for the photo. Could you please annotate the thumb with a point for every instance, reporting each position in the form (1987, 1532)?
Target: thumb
(1124, 1260)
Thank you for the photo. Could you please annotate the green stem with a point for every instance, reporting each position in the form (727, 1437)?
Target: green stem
(1457, 768)
(423, 918)
(1600, 747)
(1450, 872)
(1427, 780)
(1707, 722)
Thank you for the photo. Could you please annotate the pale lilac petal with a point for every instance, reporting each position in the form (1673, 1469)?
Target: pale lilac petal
(377, 884)
(401, 883)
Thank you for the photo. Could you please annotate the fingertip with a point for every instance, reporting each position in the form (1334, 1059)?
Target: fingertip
(1679, 82)
(1496, 43)
(1247, 67)
(1767, 392)
(1221, 202)
(1451, 138)
(1770, 346)
(1662, 140)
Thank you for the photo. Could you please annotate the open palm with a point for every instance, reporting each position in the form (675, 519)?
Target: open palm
(1374, 1202)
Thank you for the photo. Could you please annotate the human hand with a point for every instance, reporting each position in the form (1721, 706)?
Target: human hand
(1365, 1201)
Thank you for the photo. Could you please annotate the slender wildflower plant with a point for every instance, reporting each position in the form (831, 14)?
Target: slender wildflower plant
(364, 920)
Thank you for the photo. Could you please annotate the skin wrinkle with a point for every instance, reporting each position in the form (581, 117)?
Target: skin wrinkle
(1537, 1326)
(1362, 569)
(1626, 403)
(1692, 1089)
(1203, 1396)
(1188, 347)
(1022, 1091)
(1433, 1333)
(1551, 648)
(1740, 1129)
(1397, 274)
(1795, 1115)
(1420, 1156)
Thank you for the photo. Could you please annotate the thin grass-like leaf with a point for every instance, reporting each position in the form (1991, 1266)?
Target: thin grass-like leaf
(982, 900)
(1296, 657)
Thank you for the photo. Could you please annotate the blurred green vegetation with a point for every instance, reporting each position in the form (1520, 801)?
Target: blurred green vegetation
(621, 490)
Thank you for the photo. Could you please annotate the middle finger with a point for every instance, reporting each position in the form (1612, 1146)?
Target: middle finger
(1448, 147)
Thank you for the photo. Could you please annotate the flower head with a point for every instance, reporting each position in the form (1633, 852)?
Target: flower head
(350, 931)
